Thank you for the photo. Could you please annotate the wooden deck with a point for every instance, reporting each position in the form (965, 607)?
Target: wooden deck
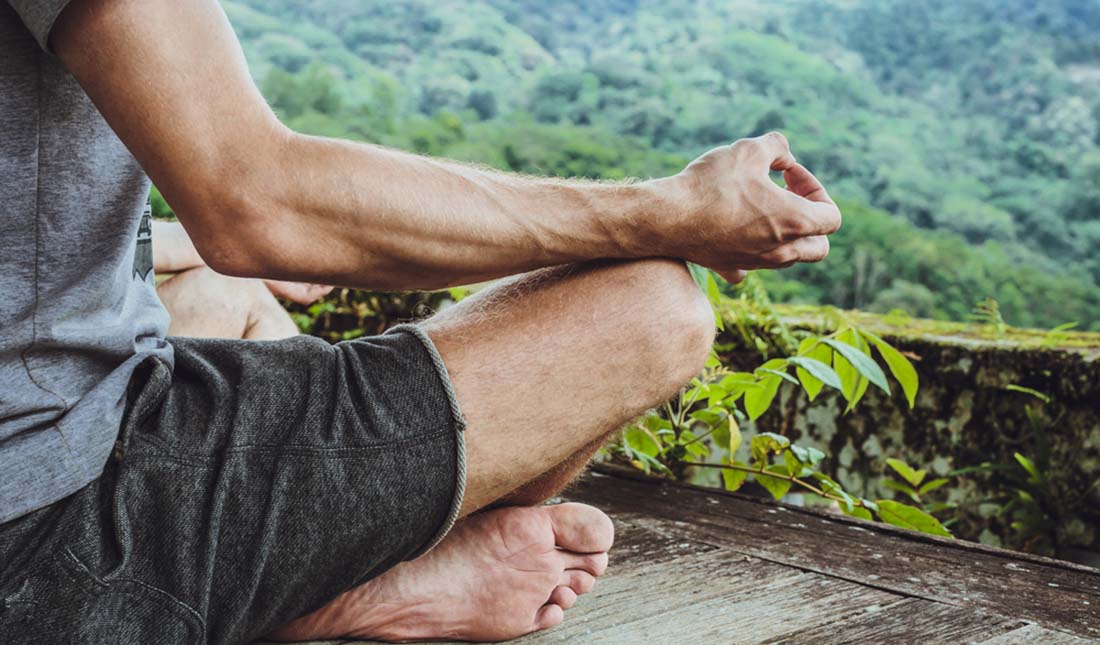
(700, 566)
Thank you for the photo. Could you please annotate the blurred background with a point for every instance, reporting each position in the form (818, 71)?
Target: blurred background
(961, 137)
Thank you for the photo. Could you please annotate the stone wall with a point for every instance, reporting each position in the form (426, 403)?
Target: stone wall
(964, 416)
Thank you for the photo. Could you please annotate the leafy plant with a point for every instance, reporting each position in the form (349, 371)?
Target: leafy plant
(988, 312)
(1033, 507)
(915, 486)
(701, 428)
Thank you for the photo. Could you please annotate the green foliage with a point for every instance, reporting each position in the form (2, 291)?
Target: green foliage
(1033, 508)
(349, 313)
(701, 429)
(975, 119)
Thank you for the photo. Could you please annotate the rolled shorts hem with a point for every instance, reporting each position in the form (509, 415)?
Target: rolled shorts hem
(459, 422)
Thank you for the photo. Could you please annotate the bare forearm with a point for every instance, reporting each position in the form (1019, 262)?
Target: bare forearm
(367, 216)
(259, 200)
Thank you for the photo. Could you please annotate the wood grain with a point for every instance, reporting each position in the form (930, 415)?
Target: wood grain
(703, 566)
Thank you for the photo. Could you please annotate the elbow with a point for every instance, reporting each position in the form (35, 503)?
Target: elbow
(233, 237)
(230, 206)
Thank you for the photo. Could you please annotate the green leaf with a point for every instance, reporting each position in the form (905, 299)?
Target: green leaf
(714, 295)
(642, 441)
(709, 416)
(774, 485)
(655, 423)
(734, 479)
(758, 400)
(849, 376)
(767, 443)
(903, 488)
(863, 363)
(783, 375)
(900, 367)
(735, 436)
(811, 348)
(914, 477)
(699, 274)
(808, 454)
(1027, 390)
(1027, 465)
(796, 467)
(645, 462)
(909, 517)
(858, 511)
(821, 372)
(933, 485)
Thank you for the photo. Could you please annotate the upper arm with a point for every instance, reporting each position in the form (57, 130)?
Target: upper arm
(171, 80)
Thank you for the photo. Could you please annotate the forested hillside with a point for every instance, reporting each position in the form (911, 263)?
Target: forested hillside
(961, 135)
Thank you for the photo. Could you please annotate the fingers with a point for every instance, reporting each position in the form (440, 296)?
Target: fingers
(809, 208)
(771, 147)
(806, 249)
(809, 214)
(735, 276)
(802, 182)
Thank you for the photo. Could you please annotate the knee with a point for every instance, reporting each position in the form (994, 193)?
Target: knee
(676, 323)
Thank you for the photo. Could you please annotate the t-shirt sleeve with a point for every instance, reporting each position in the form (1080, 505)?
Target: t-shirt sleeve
(39, 16)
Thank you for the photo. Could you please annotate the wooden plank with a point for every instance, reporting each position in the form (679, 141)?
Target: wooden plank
(1033, 634)
(641, 540)
(910, 621)
(717, 597)
(1056, 595)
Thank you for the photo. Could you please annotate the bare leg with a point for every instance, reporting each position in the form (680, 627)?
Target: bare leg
(544, 366)
(551, 362)
(206, 304)
(552, 481)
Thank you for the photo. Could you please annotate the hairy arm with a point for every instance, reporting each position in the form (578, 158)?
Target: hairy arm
(260, 200)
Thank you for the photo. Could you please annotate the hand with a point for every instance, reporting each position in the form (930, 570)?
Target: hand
(738, 219)
(299, 292)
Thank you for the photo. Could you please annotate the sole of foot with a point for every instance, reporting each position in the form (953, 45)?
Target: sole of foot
(499, 574)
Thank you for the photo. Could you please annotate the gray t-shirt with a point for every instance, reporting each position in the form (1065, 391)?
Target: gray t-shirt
(78, 303)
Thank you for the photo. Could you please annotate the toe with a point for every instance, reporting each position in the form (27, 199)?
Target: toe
(594, 563)
(581, 582)
(563, 597)
(548, 616)
(581, 528)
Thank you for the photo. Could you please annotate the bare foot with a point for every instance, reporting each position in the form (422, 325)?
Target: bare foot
(498, 575)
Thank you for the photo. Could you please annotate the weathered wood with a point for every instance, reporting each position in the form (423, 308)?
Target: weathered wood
(720, 606)
(1032, 634)
(1056, 595)
(910, 621)
(702, 566)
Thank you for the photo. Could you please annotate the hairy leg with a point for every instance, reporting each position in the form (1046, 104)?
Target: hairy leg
(545, 367)
(553, 481)
(206, 304)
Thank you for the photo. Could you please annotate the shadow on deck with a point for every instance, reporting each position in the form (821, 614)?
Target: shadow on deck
(700, 566)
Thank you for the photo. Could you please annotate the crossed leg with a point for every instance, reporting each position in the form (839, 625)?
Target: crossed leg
(545, 367)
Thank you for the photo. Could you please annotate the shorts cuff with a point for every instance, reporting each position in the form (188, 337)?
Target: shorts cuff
(459, 422)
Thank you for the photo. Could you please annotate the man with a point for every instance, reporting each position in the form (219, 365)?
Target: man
(204, 304)
(186, 490)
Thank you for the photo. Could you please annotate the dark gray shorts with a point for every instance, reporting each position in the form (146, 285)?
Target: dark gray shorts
(249, 486)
